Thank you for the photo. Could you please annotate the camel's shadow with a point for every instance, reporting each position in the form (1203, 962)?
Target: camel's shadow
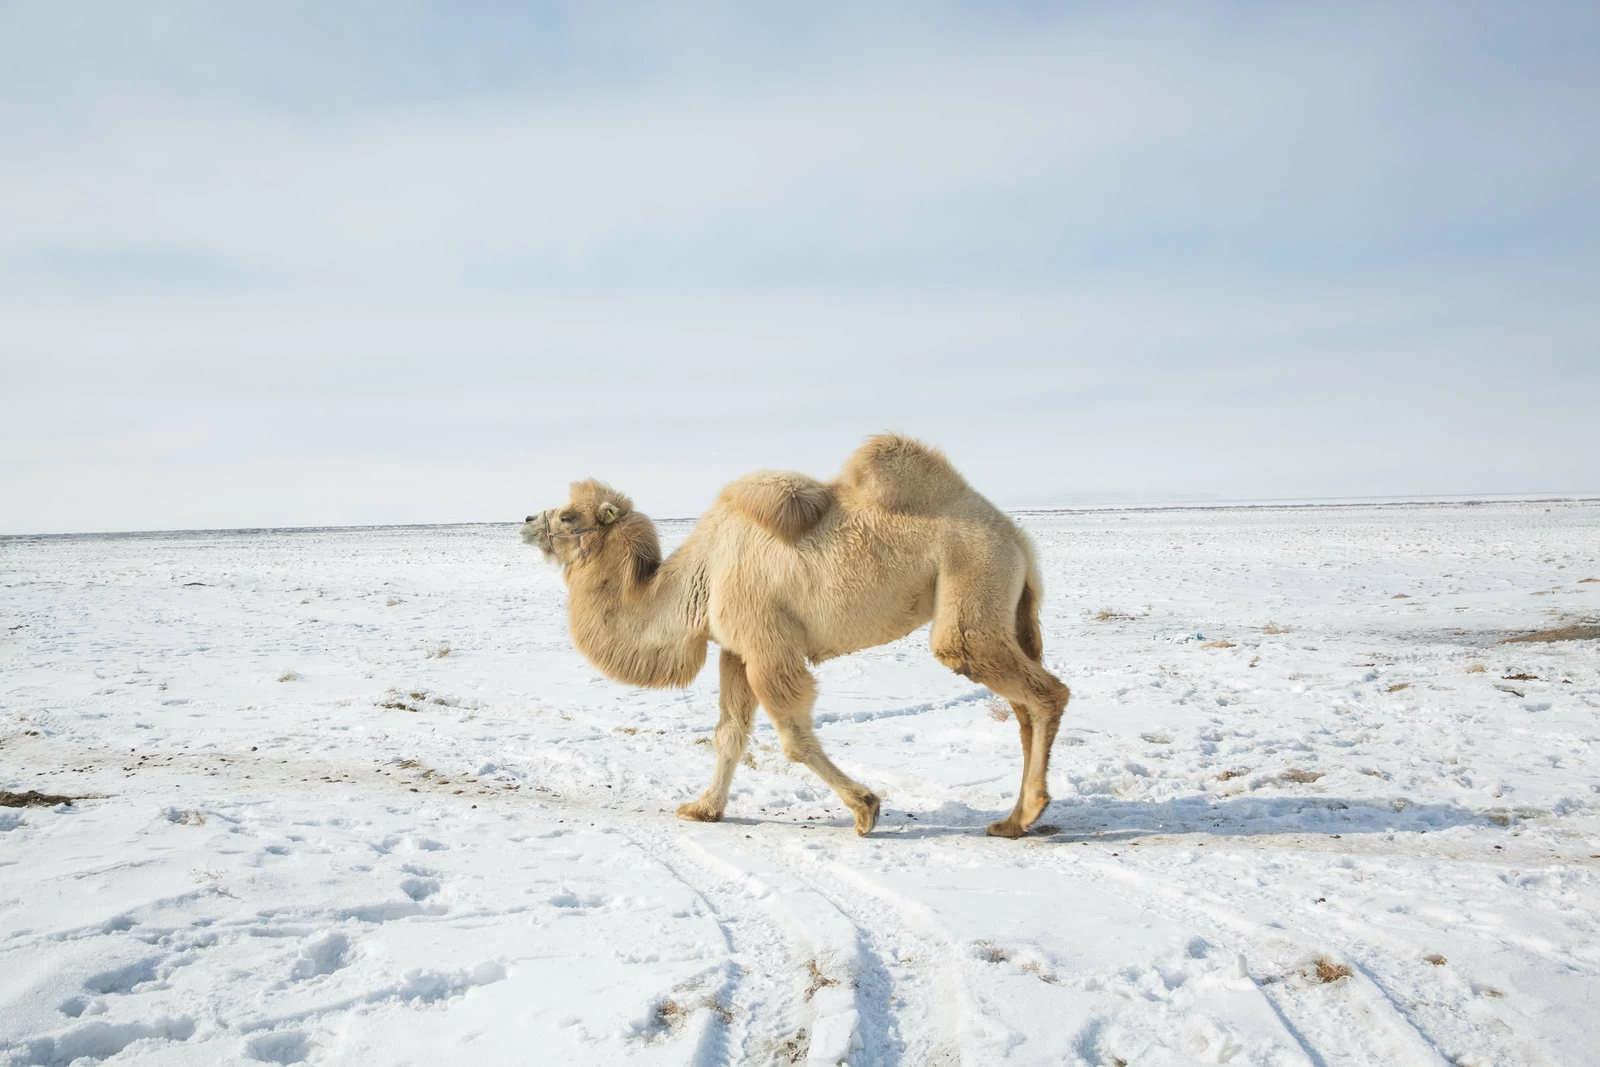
(1069, 822)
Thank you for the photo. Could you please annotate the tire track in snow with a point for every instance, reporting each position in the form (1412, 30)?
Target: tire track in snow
(835, 969)
(879, 994)
(913, 1005)
(972, 696)
(762, 1013)
(1375, 1029)
(1393, 966)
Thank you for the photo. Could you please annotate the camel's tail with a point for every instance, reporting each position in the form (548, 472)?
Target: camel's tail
(1028, 633)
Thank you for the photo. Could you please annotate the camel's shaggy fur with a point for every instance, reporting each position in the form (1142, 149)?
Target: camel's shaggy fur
(785, 571)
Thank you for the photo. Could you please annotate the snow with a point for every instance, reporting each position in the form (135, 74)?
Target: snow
(350, 796)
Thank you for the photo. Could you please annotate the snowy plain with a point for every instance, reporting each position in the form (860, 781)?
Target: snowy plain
(349, 796)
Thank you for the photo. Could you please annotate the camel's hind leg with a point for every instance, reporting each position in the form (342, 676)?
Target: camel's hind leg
(1025, 729)
(1036, 766)
(788, 691)
(738, 703)
(1002, 650)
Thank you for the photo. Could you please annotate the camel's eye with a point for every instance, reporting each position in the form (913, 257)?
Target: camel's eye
(569, 517)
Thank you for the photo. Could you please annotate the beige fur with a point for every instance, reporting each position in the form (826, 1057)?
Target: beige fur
(784, 504)
(784, 572)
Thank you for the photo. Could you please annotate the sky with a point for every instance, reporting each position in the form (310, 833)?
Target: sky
(308, 264)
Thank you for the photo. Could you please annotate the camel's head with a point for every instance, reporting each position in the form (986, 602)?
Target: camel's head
(596, 523)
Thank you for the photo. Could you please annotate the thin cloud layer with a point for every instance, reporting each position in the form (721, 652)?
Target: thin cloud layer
(396, 263)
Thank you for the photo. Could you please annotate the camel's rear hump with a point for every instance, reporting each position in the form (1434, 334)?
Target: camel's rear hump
(785, 504)
(899, 474)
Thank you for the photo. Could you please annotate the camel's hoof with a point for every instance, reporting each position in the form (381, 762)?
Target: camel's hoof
(1005, 828)
(867, 814)
(698, 811)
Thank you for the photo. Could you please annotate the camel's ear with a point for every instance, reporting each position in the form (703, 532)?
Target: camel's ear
(608, 513)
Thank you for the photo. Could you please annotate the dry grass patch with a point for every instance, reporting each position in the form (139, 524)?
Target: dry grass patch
(439, 653)
(413, 700)
(1231, 773)
(1396, 687)
(1401, 596)
(795, 1048)
(1274, 628)
(1325, 970)
(817, 981)
(1108, 615)
(1476, 668)
(1521, 676)
(989, 952)
(33, 799)
(1299, 776)
(1035, 968)
(1219, 643)
(1435, 959)
(669, 1013)
(1579, 631)
(289, 676)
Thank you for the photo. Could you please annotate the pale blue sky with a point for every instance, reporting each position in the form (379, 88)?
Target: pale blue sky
(387, 262)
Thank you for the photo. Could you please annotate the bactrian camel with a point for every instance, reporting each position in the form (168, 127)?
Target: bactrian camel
(785, 571)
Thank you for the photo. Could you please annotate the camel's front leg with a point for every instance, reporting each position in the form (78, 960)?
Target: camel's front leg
(738, 704)
(787, 691)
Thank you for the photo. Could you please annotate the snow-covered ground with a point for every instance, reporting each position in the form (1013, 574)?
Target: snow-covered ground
(351, 797)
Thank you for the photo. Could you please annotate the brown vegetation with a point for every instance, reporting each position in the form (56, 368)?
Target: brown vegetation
(33, 799)
(1580, 631)
(1325, 970)
(1107, 615)
(817, 980)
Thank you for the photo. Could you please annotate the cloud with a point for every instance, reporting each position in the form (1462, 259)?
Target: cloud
(1221, 251)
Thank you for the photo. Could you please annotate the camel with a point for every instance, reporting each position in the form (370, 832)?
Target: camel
(784, 572)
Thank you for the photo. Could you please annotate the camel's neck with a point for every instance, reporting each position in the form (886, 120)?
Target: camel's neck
(641, 620)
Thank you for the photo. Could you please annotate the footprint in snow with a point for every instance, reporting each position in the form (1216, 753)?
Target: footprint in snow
(568, 899)
(408, 844)
(322, 954)
(419, 888)
(123, 979)
(281, 1046)
(99, 1040)
(75, 1007)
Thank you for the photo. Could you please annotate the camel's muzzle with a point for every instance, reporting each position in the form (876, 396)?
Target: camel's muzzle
(536, 532)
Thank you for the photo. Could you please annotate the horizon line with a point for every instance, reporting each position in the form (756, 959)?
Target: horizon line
(1240, 504)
